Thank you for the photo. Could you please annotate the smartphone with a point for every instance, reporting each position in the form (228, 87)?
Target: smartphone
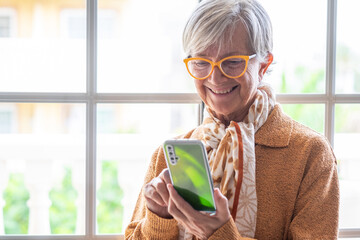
(190, 173)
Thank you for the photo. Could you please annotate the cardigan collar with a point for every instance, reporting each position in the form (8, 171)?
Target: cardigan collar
(276, 131)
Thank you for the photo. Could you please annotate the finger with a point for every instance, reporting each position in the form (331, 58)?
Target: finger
(182, 219)
(222, 205)
(190, 225)
(220, 200)
(160, 187)
(175, 212)
(151, 204)
(151, 193)
(172, 207)
(166, 176)
(184, 207)
(158, 210)
(200, 224)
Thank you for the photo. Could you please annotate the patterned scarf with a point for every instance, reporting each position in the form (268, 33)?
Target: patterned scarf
(231, 152)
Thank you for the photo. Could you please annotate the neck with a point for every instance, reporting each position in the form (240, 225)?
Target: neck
(236, 117)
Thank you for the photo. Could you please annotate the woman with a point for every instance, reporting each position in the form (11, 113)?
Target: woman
(274, 178)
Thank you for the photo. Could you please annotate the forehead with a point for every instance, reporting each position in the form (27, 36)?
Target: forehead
(233, 42)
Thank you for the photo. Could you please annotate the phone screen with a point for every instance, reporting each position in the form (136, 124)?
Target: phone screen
(190, 174)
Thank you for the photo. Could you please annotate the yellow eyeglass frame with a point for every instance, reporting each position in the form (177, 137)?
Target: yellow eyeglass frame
(218, 64)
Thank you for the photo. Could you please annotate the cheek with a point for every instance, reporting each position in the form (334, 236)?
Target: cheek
(253, 72)
(247, 83)
(251, 80)
(199, 87)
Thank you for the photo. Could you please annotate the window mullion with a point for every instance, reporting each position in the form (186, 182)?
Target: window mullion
(349, 233)
(91, 67)
(147, 98)
(330, 70)
(301, 98)
(40, 97)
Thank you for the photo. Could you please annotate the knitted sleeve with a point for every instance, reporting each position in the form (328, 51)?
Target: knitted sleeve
(317, 205)
(145, 224)
(227, 231)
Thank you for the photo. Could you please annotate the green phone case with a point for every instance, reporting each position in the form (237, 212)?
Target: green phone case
(190, 173)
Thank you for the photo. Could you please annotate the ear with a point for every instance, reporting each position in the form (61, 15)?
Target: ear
(264, 66)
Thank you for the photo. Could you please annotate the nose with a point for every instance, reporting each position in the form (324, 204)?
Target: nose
(216, 76)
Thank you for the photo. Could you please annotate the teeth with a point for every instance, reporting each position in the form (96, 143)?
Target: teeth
(222, 91)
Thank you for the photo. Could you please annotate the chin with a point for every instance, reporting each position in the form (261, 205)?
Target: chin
(224, 111)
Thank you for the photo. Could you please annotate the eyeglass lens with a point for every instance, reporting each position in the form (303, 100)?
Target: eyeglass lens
(232, 67)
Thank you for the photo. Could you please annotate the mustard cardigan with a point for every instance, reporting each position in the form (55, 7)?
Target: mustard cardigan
(296, 183)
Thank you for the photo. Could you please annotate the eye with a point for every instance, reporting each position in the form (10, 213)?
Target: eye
(233, 63)
(201, 63)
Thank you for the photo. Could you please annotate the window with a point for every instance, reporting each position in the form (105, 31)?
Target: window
(4, 26)
(7, 121)
(73, 23)
(316, 55)
(77, 129)
(79, 120)
(7, 22)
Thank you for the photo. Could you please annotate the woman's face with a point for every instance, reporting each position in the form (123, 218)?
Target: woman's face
(230, 98)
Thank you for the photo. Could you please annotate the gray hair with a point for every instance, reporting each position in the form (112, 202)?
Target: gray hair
(213, 21)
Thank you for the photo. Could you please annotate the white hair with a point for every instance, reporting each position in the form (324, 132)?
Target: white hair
(214, 21)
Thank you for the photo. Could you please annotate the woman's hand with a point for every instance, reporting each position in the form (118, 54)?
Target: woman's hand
(202, 225)
(163, 200)
(157, 195)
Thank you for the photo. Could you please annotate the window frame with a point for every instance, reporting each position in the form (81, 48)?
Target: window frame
(91, 98)
(11, 111)
(11, 14)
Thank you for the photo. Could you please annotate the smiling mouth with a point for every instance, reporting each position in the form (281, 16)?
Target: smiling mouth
(223, 92)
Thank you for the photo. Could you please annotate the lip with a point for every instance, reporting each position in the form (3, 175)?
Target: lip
(223, 91)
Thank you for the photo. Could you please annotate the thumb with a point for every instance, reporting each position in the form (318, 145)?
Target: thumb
(222, 206)
(221, 201)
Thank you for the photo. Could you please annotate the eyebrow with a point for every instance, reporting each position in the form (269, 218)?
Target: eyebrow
(224, 56)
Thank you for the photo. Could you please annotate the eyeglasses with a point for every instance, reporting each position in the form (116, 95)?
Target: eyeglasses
(231, 67)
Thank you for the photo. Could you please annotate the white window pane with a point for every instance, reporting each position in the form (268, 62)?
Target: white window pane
(299, 45)
(346, 146)
(347, 238)
(8, 20)
(4, 26)
(139, 46)
(348, 48)
(42, 169)
(311, 115)
(128, 134)
(47, 47)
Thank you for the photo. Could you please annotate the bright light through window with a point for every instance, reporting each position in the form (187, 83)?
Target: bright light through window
(144, 52)
(40, 57)
(136, 140)
(348, 49)
(299, 45)
(80, 117)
